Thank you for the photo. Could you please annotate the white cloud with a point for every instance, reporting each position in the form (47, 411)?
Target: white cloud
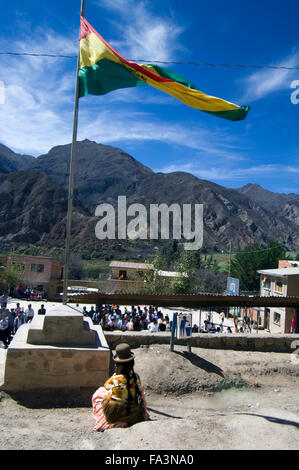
(262, 83)
(111, 127)
(143, 35)
(223, 172)
(293, 169)
(39, 92)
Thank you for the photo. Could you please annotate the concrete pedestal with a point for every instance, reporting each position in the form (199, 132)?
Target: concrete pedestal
(60, 358)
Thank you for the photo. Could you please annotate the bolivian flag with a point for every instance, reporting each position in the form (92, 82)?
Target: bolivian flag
(102, 69)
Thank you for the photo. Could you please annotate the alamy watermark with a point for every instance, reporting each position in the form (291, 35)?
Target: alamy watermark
(136, 222)
(2, 92)
(295, 94)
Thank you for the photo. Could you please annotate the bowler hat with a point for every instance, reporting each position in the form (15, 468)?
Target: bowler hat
(123, 353)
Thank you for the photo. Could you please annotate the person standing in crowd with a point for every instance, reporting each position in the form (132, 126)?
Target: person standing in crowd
(3, 300)
(85, 312)
(4, 330)
(167, 323)
(19, 290)
(153, 327)
(91, 312)
(96, 317)
(29, 313)
(42, 310)
(11, 318)
(19, 320)
(121, 401)
(18, 308)
(129, 325)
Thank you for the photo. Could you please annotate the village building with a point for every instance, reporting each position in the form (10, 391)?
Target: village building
(284, 282)
(126, 277)
(44, 274)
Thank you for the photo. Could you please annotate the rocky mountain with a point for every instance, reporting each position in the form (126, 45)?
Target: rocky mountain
(101, 172)
(32, 207)
(286, 205)
(33, 202)
(228, 214)
(11, 161)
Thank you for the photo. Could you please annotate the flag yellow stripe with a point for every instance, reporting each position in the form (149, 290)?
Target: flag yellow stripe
(92, 49)
(191, 97)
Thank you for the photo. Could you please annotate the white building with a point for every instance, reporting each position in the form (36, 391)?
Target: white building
(279, 282)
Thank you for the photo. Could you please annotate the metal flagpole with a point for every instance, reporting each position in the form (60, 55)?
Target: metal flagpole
(71, 178)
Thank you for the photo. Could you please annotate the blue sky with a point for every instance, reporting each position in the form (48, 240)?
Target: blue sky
(156, 129)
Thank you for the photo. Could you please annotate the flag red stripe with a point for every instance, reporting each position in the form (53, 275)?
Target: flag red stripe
(86, 29)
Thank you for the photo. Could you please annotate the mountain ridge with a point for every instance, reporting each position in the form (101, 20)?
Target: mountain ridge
(103, 172)
(280, 204)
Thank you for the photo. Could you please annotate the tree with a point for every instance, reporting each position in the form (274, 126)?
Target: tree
(11, 276)
(153, 282)
(92, 271)
(247, 262)
(184, 283)
(169, 251)
(76, 267)
(212, 282)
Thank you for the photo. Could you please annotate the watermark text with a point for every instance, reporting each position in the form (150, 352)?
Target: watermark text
(295, 93)
(138, 222)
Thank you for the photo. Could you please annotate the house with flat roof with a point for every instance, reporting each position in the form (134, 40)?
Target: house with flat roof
(130, 276)
(283, 281)
(37, 272)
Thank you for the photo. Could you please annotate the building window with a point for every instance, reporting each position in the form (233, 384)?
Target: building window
(19, 267)
(276, 318)
(122, 275)
(37, 268)
(278, 286)
(266, 282)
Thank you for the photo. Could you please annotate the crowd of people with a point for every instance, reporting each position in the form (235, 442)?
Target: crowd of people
(11, 320)
(111, 317)
(149, 318)
(30, 293)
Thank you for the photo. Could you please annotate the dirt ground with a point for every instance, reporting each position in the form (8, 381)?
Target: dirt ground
(203, 400)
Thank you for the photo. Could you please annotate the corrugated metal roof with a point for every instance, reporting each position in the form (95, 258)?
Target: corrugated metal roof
(191, 301)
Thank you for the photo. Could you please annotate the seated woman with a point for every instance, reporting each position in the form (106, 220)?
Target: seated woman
(121, 401)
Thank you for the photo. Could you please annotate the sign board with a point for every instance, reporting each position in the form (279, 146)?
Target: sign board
(184, 325)
(232, 286)
(181, 328)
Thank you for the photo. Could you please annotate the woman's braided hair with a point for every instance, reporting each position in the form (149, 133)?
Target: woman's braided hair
(128, 372)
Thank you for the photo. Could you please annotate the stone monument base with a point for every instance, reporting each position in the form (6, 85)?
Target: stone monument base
(59, 359)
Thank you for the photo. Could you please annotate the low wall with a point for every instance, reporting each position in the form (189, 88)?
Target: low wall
(241, 342)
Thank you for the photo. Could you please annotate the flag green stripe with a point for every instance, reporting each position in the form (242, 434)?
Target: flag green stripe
(105, 76)
(231, 114)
